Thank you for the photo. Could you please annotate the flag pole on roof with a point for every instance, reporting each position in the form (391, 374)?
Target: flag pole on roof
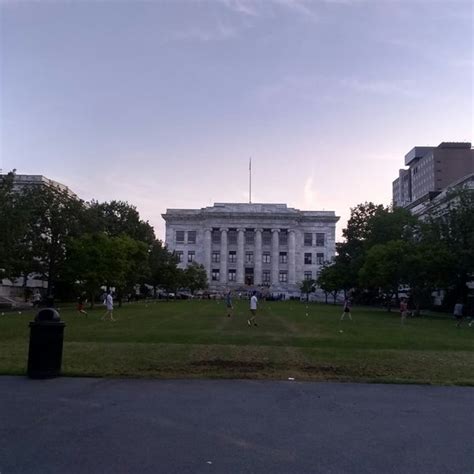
(250, 180)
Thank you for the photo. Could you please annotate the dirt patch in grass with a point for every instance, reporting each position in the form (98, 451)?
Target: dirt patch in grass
(231, 365)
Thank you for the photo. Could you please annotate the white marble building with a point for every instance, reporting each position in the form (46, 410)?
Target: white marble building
(250, 246)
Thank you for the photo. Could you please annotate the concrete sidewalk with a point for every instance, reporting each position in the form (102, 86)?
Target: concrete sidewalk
(79, 425)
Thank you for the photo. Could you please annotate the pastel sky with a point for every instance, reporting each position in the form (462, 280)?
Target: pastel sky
(162, 103)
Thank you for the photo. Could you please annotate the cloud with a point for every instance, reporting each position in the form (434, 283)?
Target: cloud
(404, 87)
(244, 7)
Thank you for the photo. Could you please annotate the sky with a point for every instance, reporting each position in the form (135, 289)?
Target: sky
(162, 103)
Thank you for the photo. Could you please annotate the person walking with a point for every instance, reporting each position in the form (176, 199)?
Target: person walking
(109, 303)
(347, 309)
(403, 310)
(458, 313)
(228, 303)
(253, 310)
(80, 305)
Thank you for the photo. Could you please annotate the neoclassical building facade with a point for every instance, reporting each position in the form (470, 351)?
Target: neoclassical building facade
(253, 246)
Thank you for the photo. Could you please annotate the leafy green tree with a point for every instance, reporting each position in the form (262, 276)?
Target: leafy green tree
(118, 218)
(331, 280)
(385, 268)
(307, 287)
(163, 268)
(195, 277)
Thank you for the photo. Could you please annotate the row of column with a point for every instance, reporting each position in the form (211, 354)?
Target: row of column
(240, 268)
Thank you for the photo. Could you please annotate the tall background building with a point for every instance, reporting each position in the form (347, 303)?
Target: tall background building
(431, 170)
(247, 246)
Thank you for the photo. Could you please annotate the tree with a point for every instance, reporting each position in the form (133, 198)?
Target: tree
(307, 287)
(163, 267)
(118, 218)
(195, 277)
(386, 269)
(96, 260)
(53, 218)
(331, 280)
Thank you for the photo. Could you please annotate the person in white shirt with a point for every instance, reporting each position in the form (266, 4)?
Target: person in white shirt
(109, 303)
(253, 310)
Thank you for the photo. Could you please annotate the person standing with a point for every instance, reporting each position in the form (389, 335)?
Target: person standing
(458, 313)
(228, 303)
(253, 310)
(403, 310)
(347, 309)
(109, 303)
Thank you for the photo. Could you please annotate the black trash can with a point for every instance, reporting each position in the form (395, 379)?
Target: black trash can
(46, 344)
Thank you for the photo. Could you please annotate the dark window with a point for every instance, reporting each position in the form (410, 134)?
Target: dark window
(249, 257)
(232, 275)
(320, 258)
(179, 254)
(216, 236)
(319, 240)
(308, 239)
(308, 275)
(232, 237)
(216, 257)
(266, 258)
(283, 277)
(284, 237)
(266, 237)
(249, 237)
(266, 276)
(283, 257)
(191, 236)
(232, 256)
(191, 256)
(215, 274)
(308, 260)
(180, 236)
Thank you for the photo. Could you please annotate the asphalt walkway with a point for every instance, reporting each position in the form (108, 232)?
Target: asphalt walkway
(79, 425)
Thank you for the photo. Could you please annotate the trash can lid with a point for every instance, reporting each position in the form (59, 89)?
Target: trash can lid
(47, 314)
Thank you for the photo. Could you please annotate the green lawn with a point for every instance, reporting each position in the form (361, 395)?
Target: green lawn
(196, 339)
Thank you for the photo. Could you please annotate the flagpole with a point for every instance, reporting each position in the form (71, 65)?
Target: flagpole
(250, 180)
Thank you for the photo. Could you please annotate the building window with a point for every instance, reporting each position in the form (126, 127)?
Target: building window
(308, 275)
(215, 274)
(191, 256)
(180, 236)
(232, 275)
(179, 254)
(216, 257)
(266, 237)
(232, 237)
(283, 277)
(266, 258)
(284, 237)
(216, 236)
(266, 276)
(320, 258)
(308, 239)
(319, 240)
(249, 257)
(232, 256)
(249, 237)
(191, 236)
(308, 260)
(283, 257)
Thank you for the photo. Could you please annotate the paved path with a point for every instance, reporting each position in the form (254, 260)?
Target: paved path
(91, 426)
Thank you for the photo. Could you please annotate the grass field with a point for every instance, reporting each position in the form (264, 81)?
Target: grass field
(196, 339)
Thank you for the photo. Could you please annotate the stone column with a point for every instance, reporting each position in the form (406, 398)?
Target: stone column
(207, 252)
(275, 255)
(224, 257)
(240, 255)
(291, 257)
(257, 276)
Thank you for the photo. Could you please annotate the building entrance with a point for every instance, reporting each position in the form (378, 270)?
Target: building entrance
(249, 276)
